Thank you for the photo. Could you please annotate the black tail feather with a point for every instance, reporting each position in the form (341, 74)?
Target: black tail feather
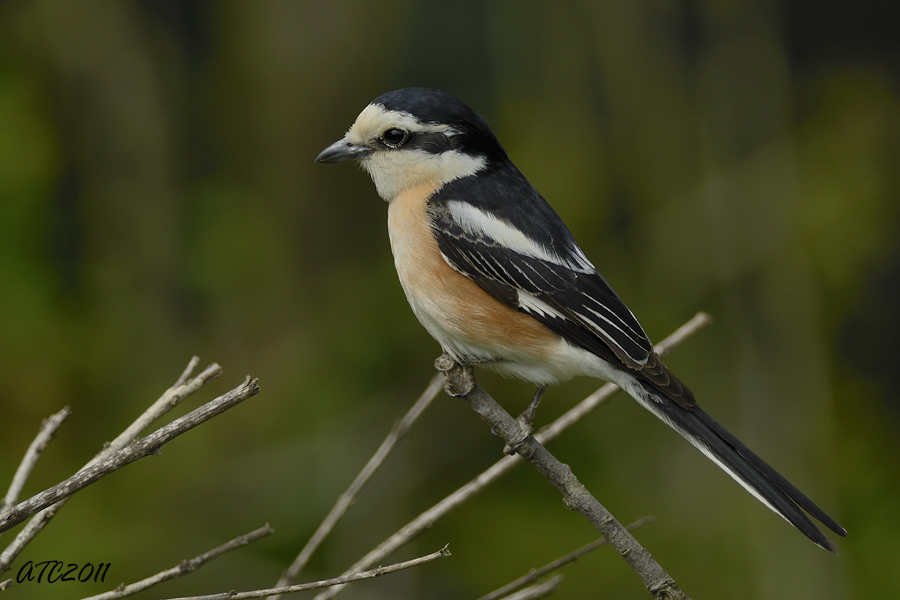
(743, 465)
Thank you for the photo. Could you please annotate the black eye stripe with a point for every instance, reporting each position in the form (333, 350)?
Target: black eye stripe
(433, 142)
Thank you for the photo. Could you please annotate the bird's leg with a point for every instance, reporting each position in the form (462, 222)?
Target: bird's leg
(525, 420)
(528, 415)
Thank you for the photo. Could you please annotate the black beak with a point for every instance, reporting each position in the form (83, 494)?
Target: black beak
(343, 150)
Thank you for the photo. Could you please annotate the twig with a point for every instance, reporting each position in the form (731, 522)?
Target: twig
(673, 340)
(346, 499)
(28, 533)
(192, 364)
(589, 404)
(137, 449)
(535, 574)
(425, 520)
(343, 580)
(170, 398)
(460, 383)
(184, 567)
(538, 590)
(44, 436)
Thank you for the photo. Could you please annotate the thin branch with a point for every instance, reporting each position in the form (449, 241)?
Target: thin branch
(28, 533)
(589, 404)
(44, 436)
(538, 590)
(461, 383)
(535, 574)
(170, 398)
(192, 364)
(184, 567)
(425, 520)
(343, 580)
(135, 450)
(346, 499)
(672, 341)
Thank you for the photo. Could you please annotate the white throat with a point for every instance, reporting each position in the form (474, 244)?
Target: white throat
(395, 171)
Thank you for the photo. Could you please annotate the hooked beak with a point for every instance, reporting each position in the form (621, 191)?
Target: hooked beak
(343, 150)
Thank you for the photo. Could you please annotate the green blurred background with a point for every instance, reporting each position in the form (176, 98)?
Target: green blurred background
(158, 198)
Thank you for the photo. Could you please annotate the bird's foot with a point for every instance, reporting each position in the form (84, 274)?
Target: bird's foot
(524, 432)
(460, 378)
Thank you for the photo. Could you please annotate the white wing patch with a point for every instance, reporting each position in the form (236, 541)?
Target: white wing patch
(480, 223)
(535, 305)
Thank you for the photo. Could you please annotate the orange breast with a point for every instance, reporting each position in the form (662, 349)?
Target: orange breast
(452, 307)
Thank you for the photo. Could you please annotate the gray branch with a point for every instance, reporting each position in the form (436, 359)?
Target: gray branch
(461, 383)
(538, 590)
(398, 431)
(45, 435)
(134, 450)
(182, 388)
(534, 574)
(184, 567)
(343, 580)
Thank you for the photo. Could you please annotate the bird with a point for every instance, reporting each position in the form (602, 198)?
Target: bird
(495, 276)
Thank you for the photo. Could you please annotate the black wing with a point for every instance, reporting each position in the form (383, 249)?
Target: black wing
(552, 281)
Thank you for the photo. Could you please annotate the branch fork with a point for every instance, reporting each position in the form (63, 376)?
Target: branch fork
(460, 382)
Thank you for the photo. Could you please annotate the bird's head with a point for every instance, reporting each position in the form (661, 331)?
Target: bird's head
(416, 136)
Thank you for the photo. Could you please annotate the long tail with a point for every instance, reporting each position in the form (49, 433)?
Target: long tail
(736, 459)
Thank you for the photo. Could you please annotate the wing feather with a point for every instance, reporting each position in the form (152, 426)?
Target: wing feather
(557, 286)
(481, 225)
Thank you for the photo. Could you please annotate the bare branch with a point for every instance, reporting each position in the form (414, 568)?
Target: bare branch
(184, 567)
(460, 382)
(344, 580)
(170, 398)
(539, 590)
(697, 322)
(425, 520)
(192, 364)
(137, 449)
(348, 497)
(535, 574)
(28, 533)
(44, 436)
(602, 395)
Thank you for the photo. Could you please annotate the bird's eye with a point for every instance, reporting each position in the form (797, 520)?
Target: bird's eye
(394, 138)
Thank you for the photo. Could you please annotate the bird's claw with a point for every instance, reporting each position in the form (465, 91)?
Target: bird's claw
(460, 378)
(523, 423)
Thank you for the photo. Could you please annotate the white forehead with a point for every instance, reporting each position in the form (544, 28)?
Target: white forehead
(375, 119)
